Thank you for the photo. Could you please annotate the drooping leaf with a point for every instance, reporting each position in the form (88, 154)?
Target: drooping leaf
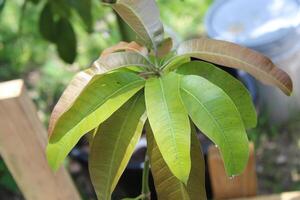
(232, 55)
(80, 81)
(75, 87)
(99, 100)
(84, 10)
(169, 122)
(143, 17)
(66, 41)
(215, 114)
(47, 24)
(233, 88)
(113, 145)
(166, 184)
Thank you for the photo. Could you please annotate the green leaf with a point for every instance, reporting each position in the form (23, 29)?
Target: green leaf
(234, 56)
(114, 144)
(66, 42)
(143, 17)
(170, 123)
(70, 94)
(166, 184)
(84, 10)
(233, 88)
(214, 113)
(80, 81)
(98, 101)
(47, 24)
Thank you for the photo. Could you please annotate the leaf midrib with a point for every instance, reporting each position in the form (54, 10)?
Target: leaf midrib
(108, 188)
(216, 123)
(104, 101)
(128, 85)
(169, 117)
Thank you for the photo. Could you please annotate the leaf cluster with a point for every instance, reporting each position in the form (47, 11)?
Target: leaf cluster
(132, 86)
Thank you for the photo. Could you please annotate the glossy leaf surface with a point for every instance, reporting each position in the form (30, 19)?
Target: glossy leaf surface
(214, 113)
(169, 122)
(166, 184)
(231, 86)
(89, 110)
(113, 145)
(70, 94)
(111, 61)
(232, 55)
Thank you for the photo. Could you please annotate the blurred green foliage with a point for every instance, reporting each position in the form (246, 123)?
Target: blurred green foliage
(33, 31)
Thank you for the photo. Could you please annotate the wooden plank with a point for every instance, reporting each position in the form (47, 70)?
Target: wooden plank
(224, 187)
(283, 196)
(23, 142)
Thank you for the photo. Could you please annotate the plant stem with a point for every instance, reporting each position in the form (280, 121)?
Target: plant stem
(145, 180)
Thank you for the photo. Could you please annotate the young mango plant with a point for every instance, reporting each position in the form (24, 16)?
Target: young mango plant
(131, 86)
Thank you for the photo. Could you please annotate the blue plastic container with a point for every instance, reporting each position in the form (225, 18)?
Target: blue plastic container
(268, 26)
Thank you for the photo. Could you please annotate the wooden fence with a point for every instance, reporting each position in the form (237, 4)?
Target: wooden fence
(23, 141)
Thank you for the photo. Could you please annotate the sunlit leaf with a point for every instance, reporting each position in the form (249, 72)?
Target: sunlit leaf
(233, 88)
(99, 100)
(166, 184)
(66, 41)
(75, 87)
(80, 81)
(215, 114)
(47, 24)
(232, 55)
(143, 17)
(113, 145)
(170, 123)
